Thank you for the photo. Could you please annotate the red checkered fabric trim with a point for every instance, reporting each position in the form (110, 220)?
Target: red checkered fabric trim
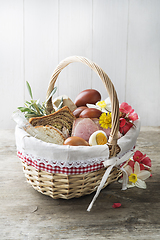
(56, 169)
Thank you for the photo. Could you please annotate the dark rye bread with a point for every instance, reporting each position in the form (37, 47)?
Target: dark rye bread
(59, 119)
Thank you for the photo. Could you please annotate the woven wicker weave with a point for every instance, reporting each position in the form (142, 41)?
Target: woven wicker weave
(66, 186)
(70, 186)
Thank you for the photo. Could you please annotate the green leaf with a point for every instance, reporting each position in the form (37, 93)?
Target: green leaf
(30, 115)
(61, 104)
(52, 93)
(33, 108)
(38, 101)
(28, 102)
(36, 107)
(29, 89)
(45, 109)
(23, 109)
(40, 108)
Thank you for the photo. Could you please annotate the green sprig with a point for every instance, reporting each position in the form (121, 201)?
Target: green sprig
(33, 108)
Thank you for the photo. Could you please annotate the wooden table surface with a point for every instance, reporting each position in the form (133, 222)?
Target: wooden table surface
(27, 214)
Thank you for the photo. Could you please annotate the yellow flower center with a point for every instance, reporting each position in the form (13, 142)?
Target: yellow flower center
(105, 120)
(133, 178)
(101, 139)
(101, 104)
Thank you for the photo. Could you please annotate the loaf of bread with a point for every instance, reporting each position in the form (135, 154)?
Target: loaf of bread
(63, 118)
(47, 134)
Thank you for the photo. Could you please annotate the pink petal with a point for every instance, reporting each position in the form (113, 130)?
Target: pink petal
(146, 161)
(132, 111)
(129, 109)
(116, 205)
(137, 156)
(141, 166)
(122, 122)
(126, 128)
(125, 108)
(144, 156)
(133, 116)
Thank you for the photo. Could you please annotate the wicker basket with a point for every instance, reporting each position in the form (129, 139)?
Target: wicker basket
(57, 185)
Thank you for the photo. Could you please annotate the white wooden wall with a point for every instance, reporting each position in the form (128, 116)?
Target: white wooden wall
(121, 36)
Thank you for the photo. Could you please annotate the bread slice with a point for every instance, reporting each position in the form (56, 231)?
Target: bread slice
(47, 134)
(59, 119)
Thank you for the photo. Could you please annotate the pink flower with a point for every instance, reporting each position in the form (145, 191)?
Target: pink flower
(146, 161)
(142, 159)
(128, 110)
(137, 156)
(133, 116)
(116, 205)
(124, 126)
(122, 122)
(125, 108)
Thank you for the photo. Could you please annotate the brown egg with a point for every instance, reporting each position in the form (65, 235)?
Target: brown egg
(90, 113)
(78, 110)
(87, 96)
(75, 141)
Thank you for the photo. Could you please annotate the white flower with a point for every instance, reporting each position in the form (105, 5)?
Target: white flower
(137, 177)
(104, 106)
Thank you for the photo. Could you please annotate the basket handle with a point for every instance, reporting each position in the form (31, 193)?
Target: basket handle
(108, 85)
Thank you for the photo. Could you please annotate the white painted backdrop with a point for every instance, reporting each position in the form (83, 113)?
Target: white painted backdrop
(121, 36)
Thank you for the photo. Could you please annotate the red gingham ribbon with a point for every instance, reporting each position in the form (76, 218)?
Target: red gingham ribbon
(56, 169)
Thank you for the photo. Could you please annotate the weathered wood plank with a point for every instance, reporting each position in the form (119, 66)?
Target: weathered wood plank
(75, 38)
(11, 60)
(27, 214)
(122, 37)
(143, 82)
(110, 27)
(41, 44)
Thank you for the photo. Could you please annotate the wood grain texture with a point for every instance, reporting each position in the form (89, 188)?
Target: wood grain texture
(122, 37)
(75, 38)
(27, 214)
(40, 44)
(11, 60)
(110, 20)
(143, 61)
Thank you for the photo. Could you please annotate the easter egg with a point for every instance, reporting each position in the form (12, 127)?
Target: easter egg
(78, 110)
(75, 141)
(90, 96)
(90, 113)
